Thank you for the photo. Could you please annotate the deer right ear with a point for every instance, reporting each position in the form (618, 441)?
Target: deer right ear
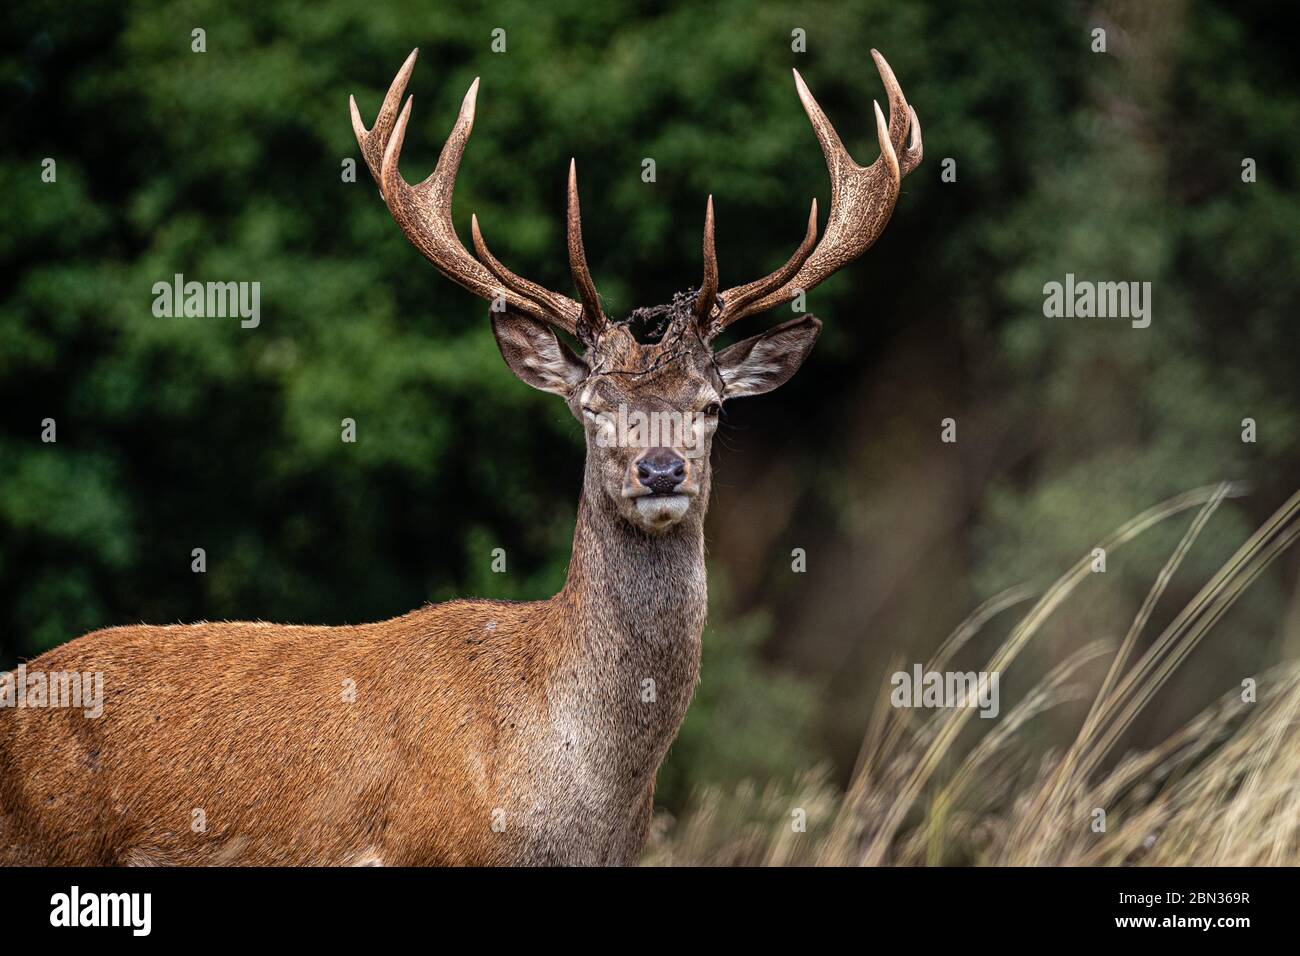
(535, 355)
(761, 363)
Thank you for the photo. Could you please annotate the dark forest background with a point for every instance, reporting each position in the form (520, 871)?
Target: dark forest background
(180, 433)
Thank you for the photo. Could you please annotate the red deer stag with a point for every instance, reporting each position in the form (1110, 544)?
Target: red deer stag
(471, 732)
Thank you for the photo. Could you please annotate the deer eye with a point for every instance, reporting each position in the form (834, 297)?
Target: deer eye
(712, 409)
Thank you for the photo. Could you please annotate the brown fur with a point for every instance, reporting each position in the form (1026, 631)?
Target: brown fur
(461, 708)
(531, 710)
(482, 732)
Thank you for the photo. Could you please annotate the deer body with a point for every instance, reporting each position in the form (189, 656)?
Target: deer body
(550, 761)
(471, 732)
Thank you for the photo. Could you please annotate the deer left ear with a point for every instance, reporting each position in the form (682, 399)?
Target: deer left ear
(535, 355)
(761, 363)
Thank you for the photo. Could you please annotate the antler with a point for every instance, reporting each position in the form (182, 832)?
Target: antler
(424, 214)
(862, 200)
(708, 293)
(593, 317)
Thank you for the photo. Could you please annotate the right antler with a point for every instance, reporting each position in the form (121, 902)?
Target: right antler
(424, 214)
(862, 200)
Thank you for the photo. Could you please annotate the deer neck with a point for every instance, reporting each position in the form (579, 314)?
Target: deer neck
(634, 607)
(630, 587)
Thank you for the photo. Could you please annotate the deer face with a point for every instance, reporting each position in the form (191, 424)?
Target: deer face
(650, 411)
(649, 418)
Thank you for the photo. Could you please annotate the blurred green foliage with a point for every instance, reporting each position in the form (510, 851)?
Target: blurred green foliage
(227, 165)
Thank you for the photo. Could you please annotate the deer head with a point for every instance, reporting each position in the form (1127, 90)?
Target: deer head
(649, 410)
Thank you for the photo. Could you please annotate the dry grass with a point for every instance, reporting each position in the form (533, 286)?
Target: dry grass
(1223, 790)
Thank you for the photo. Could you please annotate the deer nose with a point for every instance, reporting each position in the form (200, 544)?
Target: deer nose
(661, 470)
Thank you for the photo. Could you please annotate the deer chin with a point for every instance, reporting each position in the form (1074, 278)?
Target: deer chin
(661, 512)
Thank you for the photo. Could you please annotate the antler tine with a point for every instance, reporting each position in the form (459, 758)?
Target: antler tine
(424, 212)
(862, 199)
(902, 118)
(899, 111)
(544, 298)
(374, 140)
(593, 317)
(736, 301)
(911, 157)
(708, 293)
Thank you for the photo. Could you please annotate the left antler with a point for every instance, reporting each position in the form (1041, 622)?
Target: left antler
(424, 214)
